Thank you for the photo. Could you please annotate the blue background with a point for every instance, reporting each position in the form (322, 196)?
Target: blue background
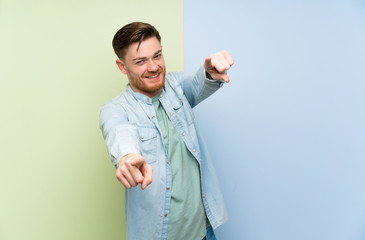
(287, 134)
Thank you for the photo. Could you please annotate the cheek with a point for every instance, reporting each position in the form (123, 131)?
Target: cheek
(162, 63)
(136, 74)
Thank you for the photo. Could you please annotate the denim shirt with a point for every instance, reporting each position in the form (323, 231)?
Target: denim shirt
(129, 125)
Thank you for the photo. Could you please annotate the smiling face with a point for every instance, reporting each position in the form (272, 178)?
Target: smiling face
(144, 66)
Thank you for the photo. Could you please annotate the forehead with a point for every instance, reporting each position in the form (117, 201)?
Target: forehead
(146, 49)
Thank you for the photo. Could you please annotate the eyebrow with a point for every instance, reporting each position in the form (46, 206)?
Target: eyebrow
(144, 58)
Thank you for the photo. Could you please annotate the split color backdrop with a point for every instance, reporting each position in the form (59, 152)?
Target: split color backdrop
(288, 139)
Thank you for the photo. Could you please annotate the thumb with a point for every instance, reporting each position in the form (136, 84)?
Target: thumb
(137, 161)
(225, 78)
(135, 169)
(222, 76)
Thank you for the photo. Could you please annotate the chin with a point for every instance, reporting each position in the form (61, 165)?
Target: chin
(156, 87)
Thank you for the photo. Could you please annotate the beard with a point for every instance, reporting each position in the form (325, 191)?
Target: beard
(144, 85)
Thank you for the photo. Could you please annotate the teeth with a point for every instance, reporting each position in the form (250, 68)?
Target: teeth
(152, 76)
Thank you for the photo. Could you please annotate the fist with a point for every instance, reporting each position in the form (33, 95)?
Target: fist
(133, 170)
(217, 64)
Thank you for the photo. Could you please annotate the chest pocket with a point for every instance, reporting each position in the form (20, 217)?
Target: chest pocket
(148, 138)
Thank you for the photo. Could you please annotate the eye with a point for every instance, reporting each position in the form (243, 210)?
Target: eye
(140, 62)
(158, 56)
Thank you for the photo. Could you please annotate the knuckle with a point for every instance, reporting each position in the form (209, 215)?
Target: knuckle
(123, 170)
(118, 174)
(127, 162)
(118, 177)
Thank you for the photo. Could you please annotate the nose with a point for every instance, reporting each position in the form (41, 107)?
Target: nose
(152, 66)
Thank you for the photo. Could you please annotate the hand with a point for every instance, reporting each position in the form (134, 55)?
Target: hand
(217, 64)
(132, 170)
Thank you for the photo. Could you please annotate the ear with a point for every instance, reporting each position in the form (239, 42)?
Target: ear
(121, 66)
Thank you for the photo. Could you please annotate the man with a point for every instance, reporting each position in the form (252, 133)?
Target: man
(153, 140)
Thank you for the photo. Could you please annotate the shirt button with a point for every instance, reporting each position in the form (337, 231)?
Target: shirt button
(194, 150)
(142, 137)
(183, 134)
(165, 215)
(167, 162)
(171, 113)
(167, 188)
(153, 117)
(161, 96)
(148, 99)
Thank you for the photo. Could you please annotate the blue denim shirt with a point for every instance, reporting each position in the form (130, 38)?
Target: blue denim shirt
(129, 125)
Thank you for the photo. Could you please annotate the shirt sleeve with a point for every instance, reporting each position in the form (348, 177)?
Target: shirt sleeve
(120, 137)
(197, 86)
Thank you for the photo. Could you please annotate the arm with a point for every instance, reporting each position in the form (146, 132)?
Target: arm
(208, 79)
(123, 145)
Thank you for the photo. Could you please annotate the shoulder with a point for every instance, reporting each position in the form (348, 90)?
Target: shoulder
(173, 83)
(117, 103)
(172, 78)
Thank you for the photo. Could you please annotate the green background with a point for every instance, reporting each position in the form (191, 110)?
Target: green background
(57, 69)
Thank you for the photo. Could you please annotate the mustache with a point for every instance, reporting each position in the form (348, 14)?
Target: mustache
(150, 74)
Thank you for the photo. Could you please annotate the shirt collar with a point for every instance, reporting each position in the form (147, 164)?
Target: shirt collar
(140, 96)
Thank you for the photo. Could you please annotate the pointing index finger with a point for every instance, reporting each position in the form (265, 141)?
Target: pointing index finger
(147, 173)
(134, 169)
